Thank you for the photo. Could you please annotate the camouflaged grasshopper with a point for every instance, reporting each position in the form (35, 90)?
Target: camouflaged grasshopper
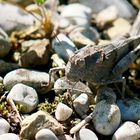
(103, 64)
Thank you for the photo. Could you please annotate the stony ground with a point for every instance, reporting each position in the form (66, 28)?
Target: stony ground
(34, 38)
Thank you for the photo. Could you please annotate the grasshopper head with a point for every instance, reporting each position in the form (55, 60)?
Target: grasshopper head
(75, 69)
(84, 65)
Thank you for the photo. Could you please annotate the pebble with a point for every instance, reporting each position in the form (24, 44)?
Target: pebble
(25, 96)
(1, 79)
(9, 136)
(67, 49)
(6, 67)
(37, 51)
(106, 16)
(117, 30)
(4, 126)
(85, 134)
(130, 109)
(5, 45)
(37, 121)
(32, 78)
(127, 131)
(15, 19)
(76, 89)
(105, 93)
(82, 36)
(45, 134)
(138, 122)
(106, 118)
(125, 9)
(63, 112)
(81, 104)
(78, 14)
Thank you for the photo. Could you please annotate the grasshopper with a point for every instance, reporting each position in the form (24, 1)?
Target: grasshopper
(103, 64)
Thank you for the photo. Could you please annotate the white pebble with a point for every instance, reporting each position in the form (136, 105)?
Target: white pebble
(9, 136)
(63, 112)
(25, 96)
(4, 126)
(127, 131)
(81, 104)
(45, 134)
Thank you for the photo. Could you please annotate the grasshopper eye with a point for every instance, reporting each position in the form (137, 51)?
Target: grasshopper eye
(81, 62)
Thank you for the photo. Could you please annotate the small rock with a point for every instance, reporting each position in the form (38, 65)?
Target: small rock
(45, 134)
(138, 122)
(82, 36)
(67, 49)
(1, 79)
(37, 50)
(31, 78)
(5, 67)
(5, 45)
(14, 18)
(130, 109)
(4, 126)
(85, 134)
(106, 118)
(106, 16)
(117, 30)
(81, 104)
(64, 23)
(76, 89)
(77, 14)
(126, 10)
(9, 136)
(25, 96)
(63, 112)
(127, 131)
(37, 121)
(106, 93)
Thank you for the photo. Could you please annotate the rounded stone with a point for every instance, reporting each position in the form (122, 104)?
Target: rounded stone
(81, 104)
(67, 49)
(32, 78)
(25, 96)
(105, 93)
(4, 126)
(9, 136)
(63, 112)
(85, 134)
(127, 131)
(130, 109)
(106, 117)
(45, 134)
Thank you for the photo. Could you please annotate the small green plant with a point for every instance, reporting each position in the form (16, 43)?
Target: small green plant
(40, 2)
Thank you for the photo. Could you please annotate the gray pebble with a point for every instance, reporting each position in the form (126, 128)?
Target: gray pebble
(105, 93)
(5, 67)
(85, 134)
(25, 96)
(9, 136)
(45, 134)
(124, 8)
(106, 117)
(1, 79)
(82, 36)
(4, 44)
(81, 104)
(14, 18)
(78, 14)
(31, 78)
(127, 131)
(4, 126)
(67, 49)
(130, 109)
